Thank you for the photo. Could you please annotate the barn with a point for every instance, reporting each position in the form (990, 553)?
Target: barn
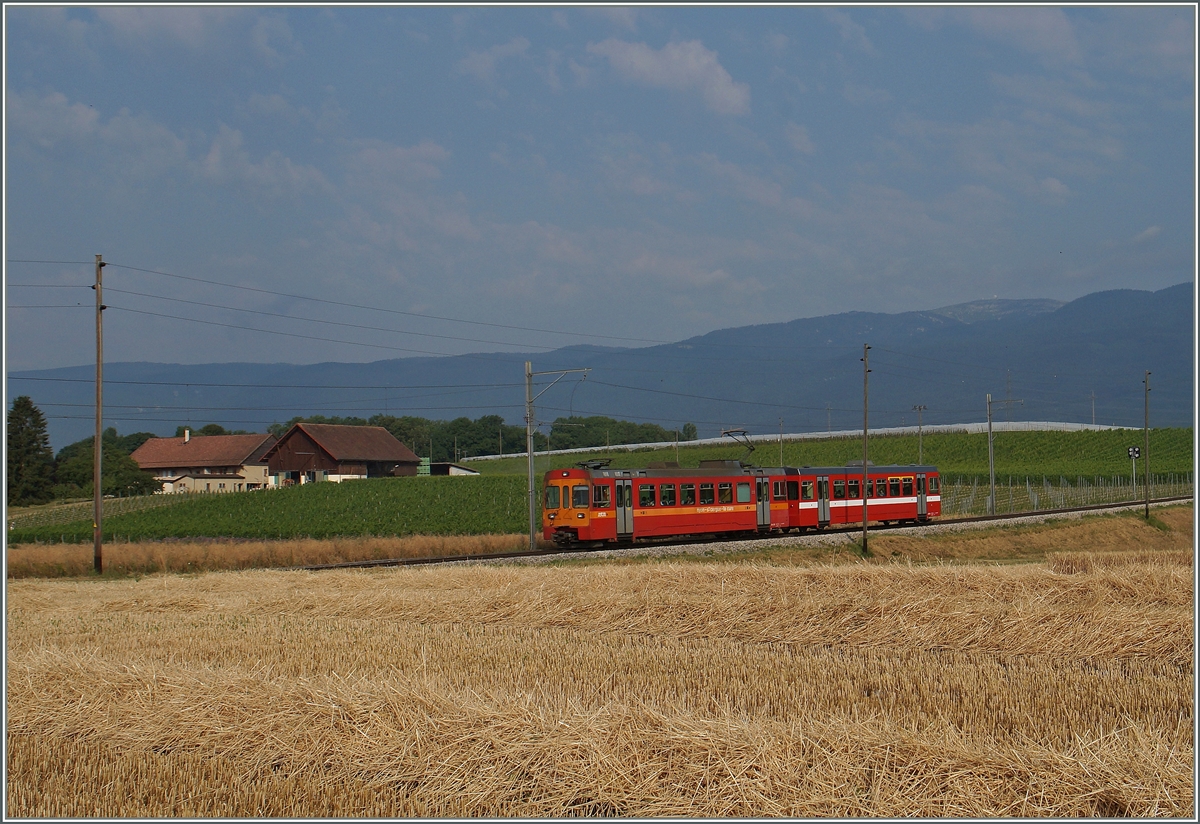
(310, 452)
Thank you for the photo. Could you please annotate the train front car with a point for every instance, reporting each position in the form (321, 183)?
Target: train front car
(597, 504)
(576, 510)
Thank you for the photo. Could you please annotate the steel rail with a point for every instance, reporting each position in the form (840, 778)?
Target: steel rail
(709, 538)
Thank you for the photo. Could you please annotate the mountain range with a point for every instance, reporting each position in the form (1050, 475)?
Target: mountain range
(1038, 359)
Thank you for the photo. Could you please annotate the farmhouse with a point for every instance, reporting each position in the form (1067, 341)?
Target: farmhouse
(311, 452)
(206, 463)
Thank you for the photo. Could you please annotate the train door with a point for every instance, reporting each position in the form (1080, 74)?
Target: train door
(922, 506)
(763, 503)
(623, 492)
(822, 500)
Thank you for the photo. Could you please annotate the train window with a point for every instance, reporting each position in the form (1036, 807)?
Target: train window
(646, 495)
(666, 494)
(839, 490)
(793, 490)
(706, 494)
(933, 485)
(807, 489)
(778, 493)
(628, 495)
(743, 493)
(687, 494)
(907, 487)
(893, 487)
(823, 489)
(579, 496)
(552, 497)
(920, 485)
(724, 493)
(852, 489)
(600, 496)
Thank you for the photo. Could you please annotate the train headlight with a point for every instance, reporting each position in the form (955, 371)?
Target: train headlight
(552, 515)
(580, 515)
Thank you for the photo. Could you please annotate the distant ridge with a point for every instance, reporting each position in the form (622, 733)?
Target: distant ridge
(1082, 361)
(994, 309)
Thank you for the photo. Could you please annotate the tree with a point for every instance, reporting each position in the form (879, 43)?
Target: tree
(689, 432)
(29, 460)
(120, 474)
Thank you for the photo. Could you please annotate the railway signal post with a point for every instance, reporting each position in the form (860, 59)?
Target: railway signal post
(1135, 452)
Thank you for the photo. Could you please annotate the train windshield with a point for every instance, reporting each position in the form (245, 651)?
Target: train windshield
(552, 497)
(579, 496)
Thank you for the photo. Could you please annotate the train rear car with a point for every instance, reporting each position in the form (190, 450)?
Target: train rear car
(833, 496)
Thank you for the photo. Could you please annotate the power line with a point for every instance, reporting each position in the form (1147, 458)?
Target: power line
(273, 385)
(329, 322)
(380, 309)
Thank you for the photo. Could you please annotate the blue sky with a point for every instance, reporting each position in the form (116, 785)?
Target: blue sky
(636, 173)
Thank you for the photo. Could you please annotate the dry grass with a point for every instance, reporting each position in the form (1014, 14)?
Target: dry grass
(638, 690)
(145, 557)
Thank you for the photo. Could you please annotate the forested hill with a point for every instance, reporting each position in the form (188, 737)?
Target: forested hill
(1047, 360)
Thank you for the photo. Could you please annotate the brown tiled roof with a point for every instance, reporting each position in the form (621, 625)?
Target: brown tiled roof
(356, 443)
(202, 450)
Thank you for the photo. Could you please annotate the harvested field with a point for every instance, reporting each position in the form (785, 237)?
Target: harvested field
(143, 557)
(659, 688)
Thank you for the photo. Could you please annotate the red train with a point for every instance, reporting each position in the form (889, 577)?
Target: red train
(596, 504)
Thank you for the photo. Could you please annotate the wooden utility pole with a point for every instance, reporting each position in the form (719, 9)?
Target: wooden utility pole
(97, 449)
(1146, 457)
(866, 371)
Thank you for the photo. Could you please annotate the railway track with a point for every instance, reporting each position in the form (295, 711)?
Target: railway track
(701, 540)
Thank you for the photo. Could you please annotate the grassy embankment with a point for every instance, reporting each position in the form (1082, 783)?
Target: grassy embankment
(1060, 688)
(495, 505)
(1033, 454)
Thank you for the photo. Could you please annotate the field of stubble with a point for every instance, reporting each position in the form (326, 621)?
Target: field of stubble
(839, 688)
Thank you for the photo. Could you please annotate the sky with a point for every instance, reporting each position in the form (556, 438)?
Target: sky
(463, 179)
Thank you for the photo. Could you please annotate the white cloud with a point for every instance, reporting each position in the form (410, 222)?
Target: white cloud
(1045, 32)
(377, 159)
(678, 67)
(275, 175)
(851, 32)
(1147, 234)
(482, 65)
(798, 137)
(622, 16)
(189, 26)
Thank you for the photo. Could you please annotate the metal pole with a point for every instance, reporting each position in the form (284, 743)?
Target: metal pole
(919, 408)
(1146, 456)
(991, 463)
(97, 448)
(866, 371)
(529, 452)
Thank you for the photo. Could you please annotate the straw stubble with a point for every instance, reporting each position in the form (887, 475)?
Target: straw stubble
(654, 689)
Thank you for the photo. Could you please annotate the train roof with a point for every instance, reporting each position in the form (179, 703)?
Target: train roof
(752, 471)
